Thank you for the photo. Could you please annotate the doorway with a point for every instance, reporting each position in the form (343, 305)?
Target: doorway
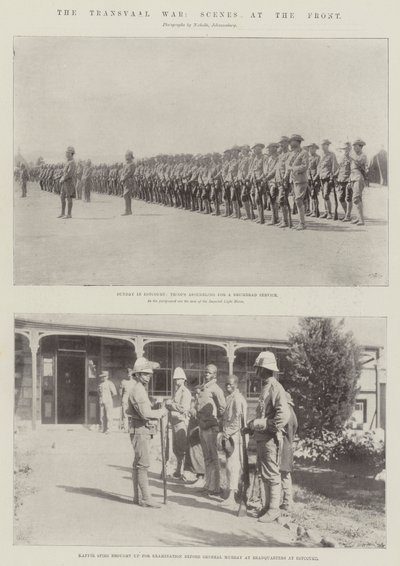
(71, 387)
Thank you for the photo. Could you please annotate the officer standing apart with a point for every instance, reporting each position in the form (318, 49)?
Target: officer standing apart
(179, 409)
(127, 182)
(106, 391)
(143, 420)
(67, 182)
(23, 179)
(272, 415)
(210, 407)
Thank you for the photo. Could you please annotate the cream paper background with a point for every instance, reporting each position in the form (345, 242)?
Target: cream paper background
(358, 19)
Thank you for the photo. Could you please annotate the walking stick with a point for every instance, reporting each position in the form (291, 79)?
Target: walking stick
(163, 472)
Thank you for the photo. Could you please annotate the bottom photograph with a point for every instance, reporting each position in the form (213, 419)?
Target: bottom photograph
(199, 431)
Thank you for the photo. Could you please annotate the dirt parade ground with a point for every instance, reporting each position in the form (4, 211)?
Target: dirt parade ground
(76, 489)
(159, 245)
(73, 486)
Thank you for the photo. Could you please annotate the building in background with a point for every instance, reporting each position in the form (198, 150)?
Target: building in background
(58, 359)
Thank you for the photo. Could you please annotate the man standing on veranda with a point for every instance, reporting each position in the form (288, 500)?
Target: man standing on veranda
(179, 408)
(106, 391)
(210, 407)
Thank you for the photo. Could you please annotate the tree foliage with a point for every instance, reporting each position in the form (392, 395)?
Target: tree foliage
(323, 371)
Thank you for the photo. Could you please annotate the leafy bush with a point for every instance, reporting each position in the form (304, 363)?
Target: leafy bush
(366, 450)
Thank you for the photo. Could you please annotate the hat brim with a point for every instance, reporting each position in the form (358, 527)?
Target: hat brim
(272, 367)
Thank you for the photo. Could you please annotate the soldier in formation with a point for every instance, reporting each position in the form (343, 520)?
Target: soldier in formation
(281, 178)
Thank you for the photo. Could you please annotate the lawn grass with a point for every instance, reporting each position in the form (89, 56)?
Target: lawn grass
(345, 506)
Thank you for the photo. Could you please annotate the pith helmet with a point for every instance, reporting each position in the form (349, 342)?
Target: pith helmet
(179, 374)
(142, 365)
(266, 360)
(359, 142)
(70, 149)
(296, 137)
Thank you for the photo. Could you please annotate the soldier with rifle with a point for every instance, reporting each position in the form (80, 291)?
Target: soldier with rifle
(358, 178)
(216, 192)
(326, 168)
(257, 177)
(234, 182)
(280, 180)
(313, 179)
(270, 166)
(142, 421)
(342, 179)
(226, 190)
(272, 415)
(243, 180)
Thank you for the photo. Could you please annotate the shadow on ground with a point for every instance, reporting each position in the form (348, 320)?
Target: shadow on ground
(357, 491)
(186, 535)
(93, 492)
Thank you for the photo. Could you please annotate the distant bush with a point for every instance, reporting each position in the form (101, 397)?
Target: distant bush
(365, 450)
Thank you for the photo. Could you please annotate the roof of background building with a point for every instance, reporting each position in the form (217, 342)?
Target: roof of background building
(368, 331)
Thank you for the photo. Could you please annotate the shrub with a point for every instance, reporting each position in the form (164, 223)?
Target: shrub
(345, 447)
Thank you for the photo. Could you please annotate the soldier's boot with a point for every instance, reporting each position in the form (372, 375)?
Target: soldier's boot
(252, 215)
(179, 467)
(274, 218)
(344, 206)
(247, 209)
(63, 203)
(329, 206)
(237, 209)
(69, 209)
(302, 217)
(217, 209)
(143, 480)
(349, 208)
(207, 206)
(227, 207)
(135, 482)
(273, 508)
(260, 210)
(360, 210)
(325, 214)
(285, 217)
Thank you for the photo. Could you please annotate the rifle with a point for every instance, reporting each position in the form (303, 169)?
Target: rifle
(335, 216)
(163, 461)
(245, 478)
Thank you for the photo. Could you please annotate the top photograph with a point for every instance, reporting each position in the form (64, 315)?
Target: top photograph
(200, 161)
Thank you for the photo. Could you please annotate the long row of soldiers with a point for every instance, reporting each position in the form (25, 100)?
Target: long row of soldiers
(242, 177)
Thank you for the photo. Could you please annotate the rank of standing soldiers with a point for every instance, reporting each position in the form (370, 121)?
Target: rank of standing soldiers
(241, 183)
